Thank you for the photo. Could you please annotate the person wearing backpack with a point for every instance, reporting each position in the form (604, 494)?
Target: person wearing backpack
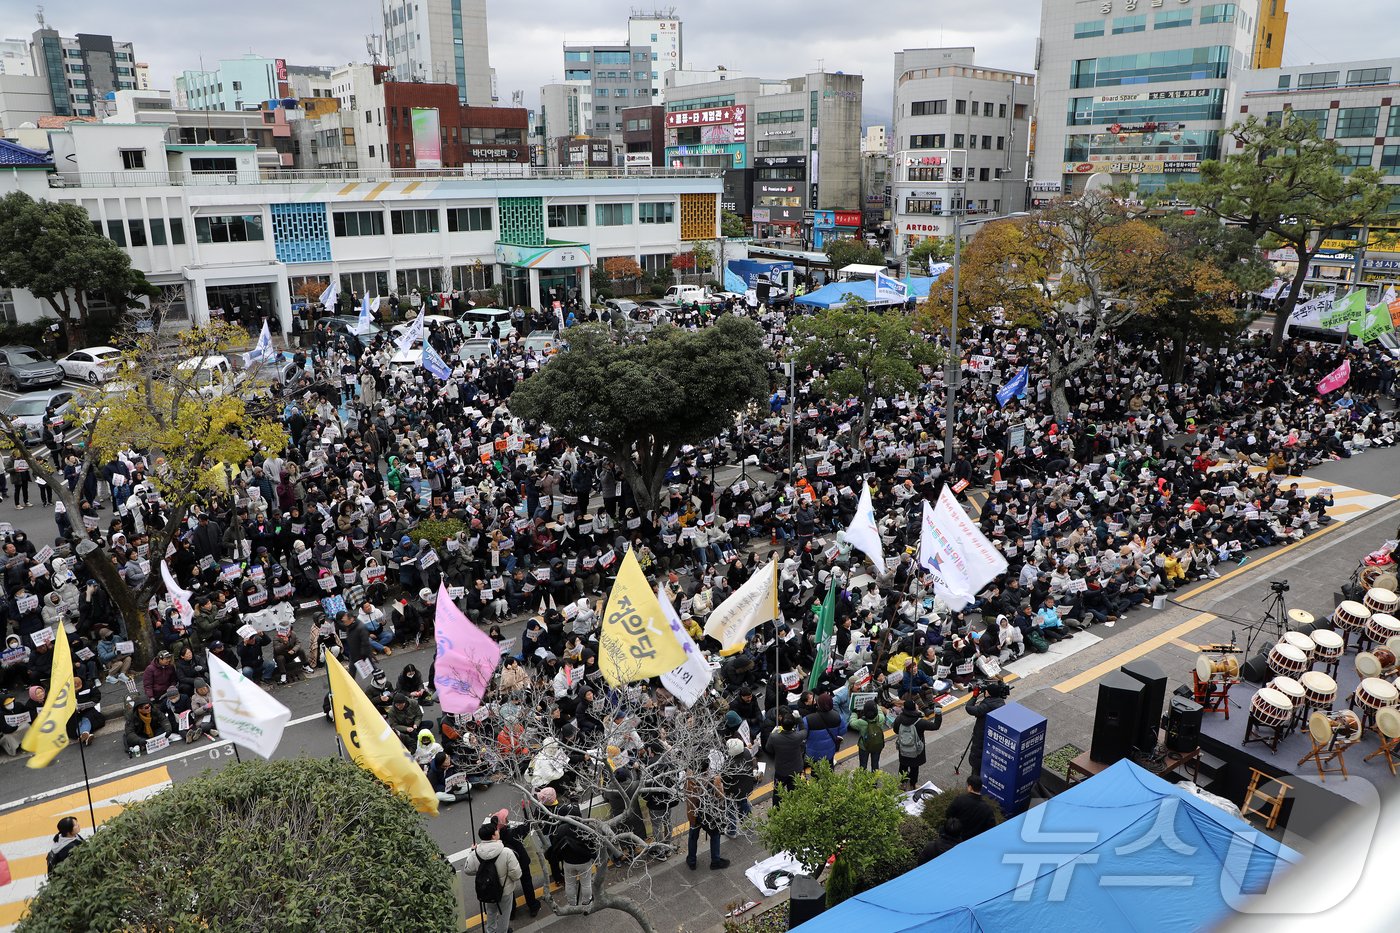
(495, 870)
(870, 726)
(65, 842)
(909, 729)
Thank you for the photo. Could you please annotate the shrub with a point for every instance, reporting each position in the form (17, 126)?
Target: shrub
(936, 809)
(435, 531)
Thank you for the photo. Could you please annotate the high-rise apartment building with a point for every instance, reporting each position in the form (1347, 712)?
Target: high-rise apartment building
(1136, 90)
(440, 42)
(81, 70)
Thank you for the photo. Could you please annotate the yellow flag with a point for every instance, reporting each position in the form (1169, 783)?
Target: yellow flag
(49, 734)
(372, 744)
(636, 641)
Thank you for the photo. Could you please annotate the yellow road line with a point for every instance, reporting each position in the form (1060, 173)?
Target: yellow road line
(1185, 628)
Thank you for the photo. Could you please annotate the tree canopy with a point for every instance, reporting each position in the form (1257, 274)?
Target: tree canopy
(52, 250)
(301, 844)
(864, 353)
(931, 250)
(843, 251)
(1287, 186)
(639, 403)
(732, 225)
(162, 406)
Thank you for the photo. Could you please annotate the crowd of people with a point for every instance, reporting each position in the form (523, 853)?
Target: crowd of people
(395, 483)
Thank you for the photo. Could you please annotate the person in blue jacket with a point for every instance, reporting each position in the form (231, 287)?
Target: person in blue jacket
(825, 725)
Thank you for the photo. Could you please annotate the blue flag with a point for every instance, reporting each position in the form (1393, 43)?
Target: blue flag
(888, 288)
(434, 363)
(1016, 388)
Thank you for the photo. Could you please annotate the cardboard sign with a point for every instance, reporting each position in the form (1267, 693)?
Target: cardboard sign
(27, 603)
(43, 636)
(364, 668)
(159, 743)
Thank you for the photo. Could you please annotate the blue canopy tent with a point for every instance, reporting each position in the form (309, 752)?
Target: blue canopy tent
(1121, 851)
(833, 294)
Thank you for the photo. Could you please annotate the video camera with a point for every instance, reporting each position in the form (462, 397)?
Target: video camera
(993, 688)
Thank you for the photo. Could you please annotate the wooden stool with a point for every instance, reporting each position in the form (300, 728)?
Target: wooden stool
(1388, 725)
(1274, 803)
(1331, 736)
(1213, 695)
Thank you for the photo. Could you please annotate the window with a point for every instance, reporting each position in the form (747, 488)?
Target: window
(137, 229)
(7, 306)
(656, 212)
(983, 174)
(1390, 160)
(923, 206)
(1318, 118)
(157, 231)
(1318, 79)
(612, 58)
(928, 141)
(960, 106)
(177, 231)
(1204, 63)
(568, 215)
(468, 219)
(1088, 30)
(1393, 127)
(986, 142)
(232, 229)
(959, 141)
(988, 108)
(600, 92)
(656, 263)
(358, 223)
(1284, 81)
(1357, 121)
(575, 56)
(1216, 13)
(1173, 19)
(411, 280)
(779, 116)
(1126, 24)
(116, 232)
(133, 159)
(1361, 77)
(613, 215)
(414, 221)
(213, 165)
(577, 74)
(1356, 156)
(1001, 142)
(640, 75)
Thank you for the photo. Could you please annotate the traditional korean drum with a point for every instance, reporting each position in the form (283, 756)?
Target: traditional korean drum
(1303, 643)
(1379, 600)
(1286, 660)
(1328, 645)
(1318, 689)
(1382, 627)
(1271, 707)
(1351, 616)
(1375, 694)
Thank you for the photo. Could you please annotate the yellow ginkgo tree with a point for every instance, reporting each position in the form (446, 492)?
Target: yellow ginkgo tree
(184, 405)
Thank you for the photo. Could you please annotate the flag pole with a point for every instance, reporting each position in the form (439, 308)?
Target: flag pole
(330, 688)
(87, 785)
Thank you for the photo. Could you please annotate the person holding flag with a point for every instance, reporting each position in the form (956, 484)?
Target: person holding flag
(412, 334)
(244, 712)
(48, 735)
(262, 352)
(372, 745)
(367, 311)
(954, 552)
(434, 363)
(636, 642)
(889, 288)
(1015, 388)
(863, 534)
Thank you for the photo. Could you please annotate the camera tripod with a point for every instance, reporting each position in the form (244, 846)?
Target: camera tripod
(1275, 620)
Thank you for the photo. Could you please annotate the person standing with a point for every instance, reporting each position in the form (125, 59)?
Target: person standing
(909, 729)
(513, 835)
(65, 842)
(870, 725)
(967, 816)
(704, 806)
(495, 870)
(787, 744)
(993, 699)
(576, 852)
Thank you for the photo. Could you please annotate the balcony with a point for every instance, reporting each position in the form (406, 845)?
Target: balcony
(486, 172)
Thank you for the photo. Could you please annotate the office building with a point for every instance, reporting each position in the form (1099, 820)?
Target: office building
(23, 99)
(236, 84)
(441, 42)
(1357, 104)
(1138, 91)
(800, 138)
(613, 77)
(644, 136)
(213, 231)
(875, 139)
(560, 117)
(659, 32)
(1269, 34)
(81, 70)
(961, 141)
(15, 58)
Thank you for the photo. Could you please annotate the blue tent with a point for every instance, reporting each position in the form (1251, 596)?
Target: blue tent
(833, 294)
(1121, 851)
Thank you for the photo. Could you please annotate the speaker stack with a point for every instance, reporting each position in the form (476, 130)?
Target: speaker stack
(1256, 670)
(1183, 725)
(1116, 718)
(1154, 692)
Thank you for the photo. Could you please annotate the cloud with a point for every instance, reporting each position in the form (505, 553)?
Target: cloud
(765, 40)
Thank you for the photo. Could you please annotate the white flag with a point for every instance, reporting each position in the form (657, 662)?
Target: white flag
(178, 597)
(955, 552)
(331, 295)
(687, 682)
(367, 309)
(746, 609)
(413, 334)
(243, 712)
(864, 534)
(262, 352)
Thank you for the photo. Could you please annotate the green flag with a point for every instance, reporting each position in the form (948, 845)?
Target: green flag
(826, 631)
(1345, 310)
(1376, 323)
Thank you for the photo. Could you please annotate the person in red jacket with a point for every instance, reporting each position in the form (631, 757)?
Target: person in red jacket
(159, 675)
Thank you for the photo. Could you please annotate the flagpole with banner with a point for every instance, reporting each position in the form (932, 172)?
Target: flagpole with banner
(746, 609)
(689, 680)
(636, 642)
(863, 534)
(87, 785)
(372, 745)
(826, 630)
(49, 734)
(246, 714)
(954, 552)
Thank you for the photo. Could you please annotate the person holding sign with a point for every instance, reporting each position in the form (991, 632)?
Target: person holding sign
(145, 723)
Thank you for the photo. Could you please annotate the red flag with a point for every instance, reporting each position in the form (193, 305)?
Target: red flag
(4, 870)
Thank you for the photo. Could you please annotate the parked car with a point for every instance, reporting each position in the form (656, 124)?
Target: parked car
(429, 320)
(348, 326)
(27, 368)
(477, 322)
(688, 294)
(543, 343)
(32, 410)
(93, 365)
(212, 375)
(475, 348)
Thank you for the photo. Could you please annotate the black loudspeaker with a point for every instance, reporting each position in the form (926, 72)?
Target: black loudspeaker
(806, 899)
(1183, 725)
(1256, 670)
(1116, 718)
(1154, 694)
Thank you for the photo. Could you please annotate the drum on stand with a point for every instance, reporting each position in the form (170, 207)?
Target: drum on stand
(1287, 660)
(1388, 722)
(1221, 668)
(1372, 695)
(1319, 690)
(1379, 600)
(1351, 616)
(1271, 707)
(1303, 643)
(1328, 644)
(1386, 659)
(1386, 581)
(1368, 665)
(1381, 627)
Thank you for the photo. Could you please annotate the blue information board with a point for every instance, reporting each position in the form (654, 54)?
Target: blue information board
(1012, 750)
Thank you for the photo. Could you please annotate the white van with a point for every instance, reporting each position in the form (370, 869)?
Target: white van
(688, 294)
(477, 322)
(215, 375)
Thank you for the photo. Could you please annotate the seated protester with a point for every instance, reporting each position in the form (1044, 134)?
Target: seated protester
(325, 641)
(188, 669)
(412, 685)
(288, 658)
(225, 653)
(145, 722)
(1011, 642)
(1048, 622)
(405, 717)
(380, 635)
(250, 658)
(87, 717)
(439, 769)
(197, 710)
(427, 749)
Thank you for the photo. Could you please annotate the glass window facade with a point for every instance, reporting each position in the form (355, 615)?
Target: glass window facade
(468, 219)
(1357, 121)
(923, 108)
(1126, 24)
(613, 215)
(1393, 127)
(1364, 77)
(1356, 156)
(236, 229)
(1091, 29)
(1390, 160)
(568, 215)
(1198, 64)
(1217, 13)
(656, 212)
(357, 223)
(779, 116)
(1204, 144)
(1318, 118)
(414, 221)
(1085, 111)
(1171, 19)
(1317, 79)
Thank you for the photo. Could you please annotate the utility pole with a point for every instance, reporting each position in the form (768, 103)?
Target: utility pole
(954, 356)
(791, 369)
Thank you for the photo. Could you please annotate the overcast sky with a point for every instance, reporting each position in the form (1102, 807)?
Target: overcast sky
(774, 40)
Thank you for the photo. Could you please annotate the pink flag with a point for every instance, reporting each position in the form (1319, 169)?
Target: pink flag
(1335, 379)
(466, 658)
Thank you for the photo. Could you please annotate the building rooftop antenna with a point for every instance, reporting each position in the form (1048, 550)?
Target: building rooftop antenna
(39, 15)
